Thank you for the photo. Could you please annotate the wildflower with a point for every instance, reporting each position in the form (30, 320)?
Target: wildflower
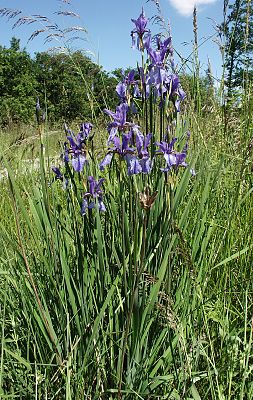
(121, 90)
(123, 87)
(85, 131)
(77, 150)
(119, 148)
(173, 159)
(119, 120)
(141, 36)
(176, 93)
(142, 161)
(94, 197)
(158, 74)
(59, 176)
(158, 57)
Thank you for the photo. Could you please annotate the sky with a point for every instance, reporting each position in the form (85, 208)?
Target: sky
(108, 24)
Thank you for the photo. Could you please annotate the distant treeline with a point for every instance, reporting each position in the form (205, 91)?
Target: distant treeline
(69, 86)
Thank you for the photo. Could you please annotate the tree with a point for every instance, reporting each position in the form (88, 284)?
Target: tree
(238, 31)
(69, 86)
(17, 84)
(72, 86)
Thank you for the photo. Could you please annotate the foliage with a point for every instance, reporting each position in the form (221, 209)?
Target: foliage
(69, 86)
(72, 86)
(238, 30)
(17, 84)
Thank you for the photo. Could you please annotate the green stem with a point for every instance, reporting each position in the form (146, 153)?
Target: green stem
(133, 298)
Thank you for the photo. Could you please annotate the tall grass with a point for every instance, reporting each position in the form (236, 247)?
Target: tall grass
(132, 303)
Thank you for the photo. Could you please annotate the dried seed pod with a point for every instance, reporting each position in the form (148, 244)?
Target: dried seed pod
(146, 199)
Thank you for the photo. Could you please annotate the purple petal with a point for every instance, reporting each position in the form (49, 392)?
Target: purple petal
(134, 166)
(110, 113)
(177, 105)
(140, 23)
(146, 165)
(147, 141)
(125, 141)
(121, 91)
(182, 94)
(117, 144)
(131, 75)
(58, 174)
(106, 161)
(84, 206)
(139, 138)
(85, 130)
(91, 205)
(113, 133)
(78, 162)
(170, 159)
(136, 91)
(101, 205)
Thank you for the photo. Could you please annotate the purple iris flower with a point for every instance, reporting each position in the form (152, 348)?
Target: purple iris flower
(175, 91)
(137, 159)
(142, 145)
(94, 196)
(121, 90)
(173, 159)
(85, 131)
(121, 148)
(59, 176)
(119, 120)
(123, 87)
(156, 78)
(157, 70)
(142, 161)
(158, 57)
(133, 165)
(76, 149)
(141, 36)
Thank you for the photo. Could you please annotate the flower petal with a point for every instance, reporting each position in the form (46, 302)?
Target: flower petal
(106, 161)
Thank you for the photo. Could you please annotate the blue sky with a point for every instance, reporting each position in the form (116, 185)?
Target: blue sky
(109, 25)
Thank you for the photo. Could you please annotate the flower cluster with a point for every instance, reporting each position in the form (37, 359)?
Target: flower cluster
(137, 158)
(153, 85)
(94, 196)
(125, 138)
(76, 147)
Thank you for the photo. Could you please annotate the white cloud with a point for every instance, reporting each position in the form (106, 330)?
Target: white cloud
(185, 7)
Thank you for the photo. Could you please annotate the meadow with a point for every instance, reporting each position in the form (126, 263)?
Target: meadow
(126, 270)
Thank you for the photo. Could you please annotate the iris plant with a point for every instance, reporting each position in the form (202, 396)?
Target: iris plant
(137, 158)
(59, 176)
(157, 77)
(173, 159)
(123, 88)
(119, 122)
(76, 147)
(94, 197)
(140, 35)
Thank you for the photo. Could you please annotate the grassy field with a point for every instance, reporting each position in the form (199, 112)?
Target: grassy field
(66, 289)
(137, 300)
